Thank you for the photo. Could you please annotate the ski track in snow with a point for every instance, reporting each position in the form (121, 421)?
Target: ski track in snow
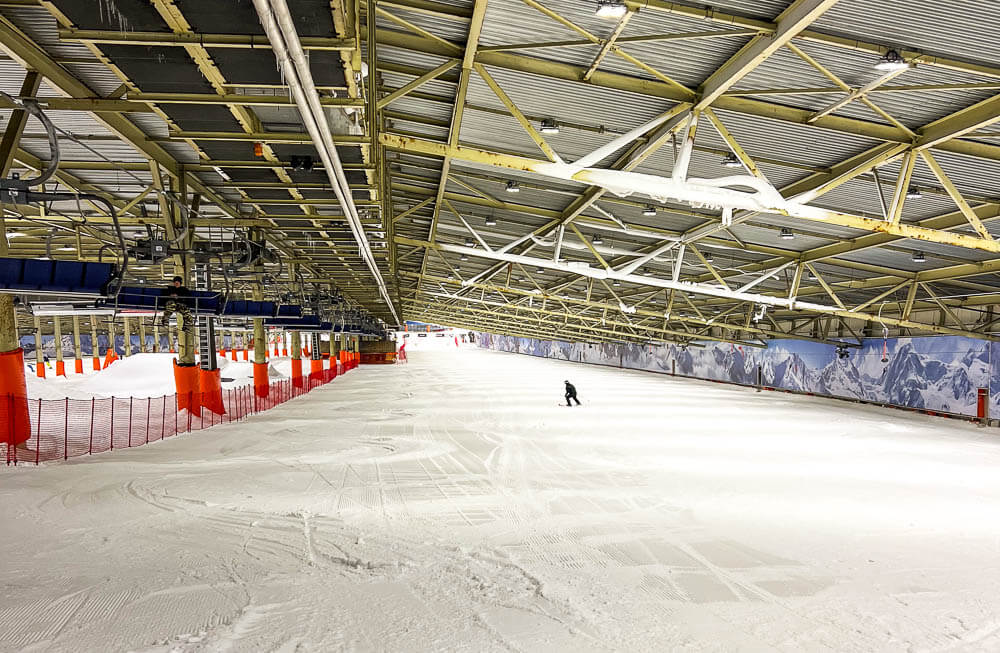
(447, 504)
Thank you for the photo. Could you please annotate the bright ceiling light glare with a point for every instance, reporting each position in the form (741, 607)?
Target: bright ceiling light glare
(918, 257)
(891, 61)
(913, 193)
(548, 126)
(513, 187)
(65, 248)
(597, 240)
(786, 234)
(649, 211)
(730, 161)
(611, 9)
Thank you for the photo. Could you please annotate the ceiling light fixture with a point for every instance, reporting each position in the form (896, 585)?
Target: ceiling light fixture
(513, 187)
(892, 60)
(596, 240)
(649, 211)
(611, 9)
(913, 193)
(730, 161)
(463, 257)
(616, 283)
(469, 243)
(548, 126)
(709, 257)
(539, 270)
(918, 257)
(786, 234)
(490, 222)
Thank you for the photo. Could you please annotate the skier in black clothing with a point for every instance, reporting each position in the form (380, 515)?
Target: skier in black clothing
(571, 394)
(178, 302)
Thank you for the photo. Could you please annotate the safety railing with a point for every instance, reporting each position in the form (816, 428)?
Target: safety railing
(67, 428)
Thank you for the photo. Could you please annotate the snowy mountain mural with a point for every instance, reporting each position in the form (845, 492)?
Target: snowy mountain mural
(940, 373)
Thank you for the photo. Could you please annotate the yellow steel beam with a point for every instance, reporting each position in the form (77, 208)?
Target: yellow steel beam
(546, 149)
(184, 38)
(795, 18)
(955, 195)
(417, 83)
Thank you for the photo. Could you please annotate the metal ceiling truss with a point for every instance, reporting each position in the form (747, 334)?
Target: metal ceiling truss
(672, 287)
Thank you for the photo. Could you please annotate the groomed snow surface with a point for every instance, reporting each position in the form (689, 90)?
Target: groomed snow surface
(453, 504)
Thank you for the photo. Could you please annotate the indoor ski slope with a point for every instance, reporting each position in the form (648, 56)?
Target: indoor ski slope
(451, 504)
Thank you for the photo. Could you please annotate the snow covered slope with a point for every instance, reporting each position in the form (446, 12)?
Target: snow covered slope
(451, 505)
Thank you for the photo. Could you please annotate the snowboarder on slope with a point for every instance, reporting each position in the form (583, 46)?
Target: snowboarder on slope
(571, 394)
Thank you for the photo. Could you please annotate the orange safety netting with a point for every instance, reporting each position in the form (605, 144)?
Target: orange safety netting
(57, 429)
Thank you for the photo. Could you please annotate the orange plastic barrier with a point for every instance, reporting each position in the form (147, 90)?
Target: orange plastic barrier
(109, 357)
(40, 370)
(246, 355)
(211, 391)
(78, 365)
(15, 425)
(275, 349)
(260, 380)
(233, 351)
(188, 388)
(97, 363)
(60, 368)
(284, 352)
(297, 373)
(315, 369)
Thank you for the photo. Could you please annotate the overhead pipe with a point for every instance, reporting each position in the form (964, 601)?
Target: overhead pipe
(277, 22)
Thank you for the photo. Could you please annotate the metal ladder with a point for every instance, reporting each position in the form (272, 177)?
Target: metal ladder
(314, 346)
(206, 323)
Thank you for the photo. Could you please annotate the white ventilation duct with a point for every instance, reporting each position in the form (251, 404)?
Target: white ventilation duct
(277, 22)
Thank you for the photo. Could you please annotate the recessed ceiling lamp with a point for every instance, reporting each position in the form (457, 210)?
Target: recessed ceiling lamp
(786, 234)
(513, 187)
(548, 126)
(649, 211)
(918, 257)
(611, 8)
(892, 60)
(730, 161)
(913, 193)
(597, 240)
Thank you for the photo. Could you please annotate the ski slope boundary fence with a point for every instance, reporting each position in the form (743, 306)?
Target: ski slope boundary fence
(941, 375)
(67, 428)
